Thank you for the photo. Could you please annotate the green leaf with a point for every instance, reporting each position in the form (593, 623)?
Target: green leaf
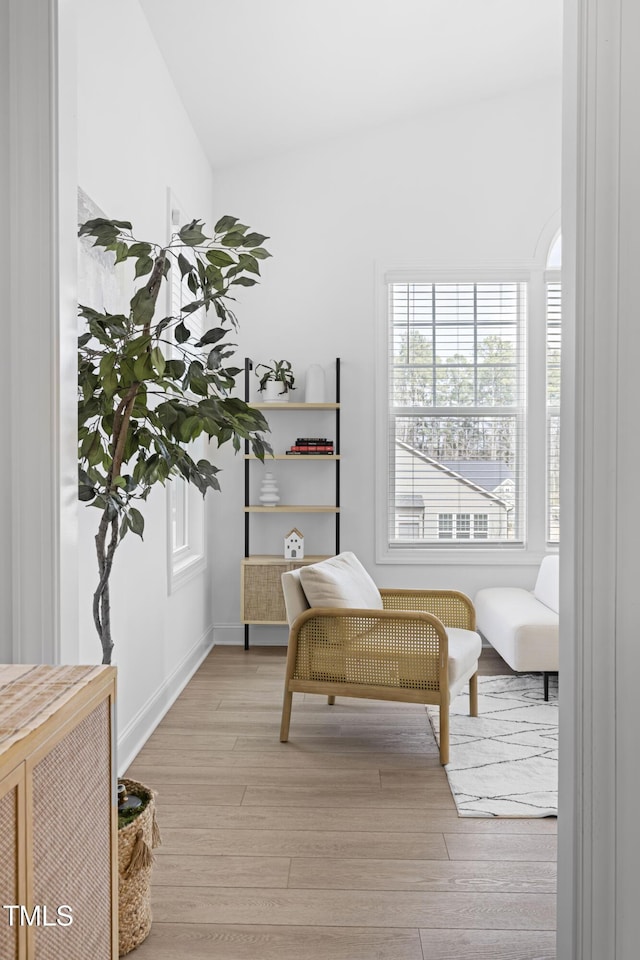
(182, 333)
(124, 527)
(144, 265)
(248, 263)
(139, 344)
(121, 251)
(224, 224)
(192, 234)
(162, 325)
(220, 258)
(187, 428)
(185, 266)
(107, 364)
(245, 281)
(254, 239)
(192, 307)
(211, 336)
(175, 369)
(142, 307)
(158, 361)
(110, 384)
(90, 227)
(140, 249)
(260, 253)
(142, 367)
(136, 521)
(233, 240)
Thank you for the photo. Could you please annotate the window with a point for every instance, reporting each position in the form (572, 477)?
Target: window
(445, 526)
(481, 526)
(463, 526)
(185, 504)
(457, 411)
(553, 330)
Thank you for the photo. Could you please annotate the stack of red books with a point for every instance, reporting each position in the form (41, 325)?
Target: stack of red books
(311, 445)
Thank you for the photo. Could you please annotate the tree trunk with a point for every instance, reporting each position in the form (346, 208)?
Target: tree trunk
(105, 551)
(101, 602)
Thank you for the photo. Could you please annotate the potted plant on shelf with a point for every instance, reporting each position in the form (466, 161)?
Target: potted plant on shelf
(276, 381)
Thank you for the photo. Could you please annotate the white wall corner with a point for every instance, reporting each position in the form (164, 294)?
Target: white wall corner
(136, 733)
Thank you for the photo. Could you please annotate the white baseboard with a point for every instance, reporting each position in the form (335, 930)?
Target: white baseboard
(132, 739)
(232, 634)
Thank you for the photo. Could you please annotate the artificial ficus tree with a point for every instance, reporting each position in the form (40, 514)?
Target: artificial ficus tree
(150, 383)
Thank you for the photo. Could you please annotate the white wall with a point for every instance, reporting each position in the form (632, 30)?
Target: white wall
(134, 142)
(476, 184)
(5, 475)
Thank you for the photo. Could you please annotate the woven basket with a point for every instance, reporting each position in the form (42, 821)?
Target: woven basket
(135, 843)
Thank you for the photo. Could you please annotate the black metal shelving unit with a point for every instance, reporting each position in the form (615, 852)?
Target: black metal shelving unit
(335, 457)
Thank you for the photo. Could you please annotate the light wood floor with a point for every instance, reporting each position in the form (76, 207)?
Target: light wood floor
(343, 844)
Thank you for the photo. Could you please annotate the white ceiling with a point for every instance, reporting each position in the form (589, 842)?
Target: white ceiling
(261, 76)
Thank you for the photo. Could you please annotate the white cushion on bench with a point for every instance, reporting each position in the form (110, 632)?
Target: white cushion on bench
(547, 588)
(522, 629)
(465, 646)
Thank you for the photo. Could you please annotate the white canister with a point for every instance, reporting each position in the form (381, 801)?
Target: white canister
(314, 391)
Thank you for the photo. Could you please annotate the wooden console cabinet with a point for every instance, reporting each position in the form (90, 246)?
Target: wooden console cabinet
(58, 815)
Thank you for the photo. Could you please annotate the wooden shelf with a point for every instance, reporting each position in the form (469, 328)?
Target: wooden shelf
(289, 456)
(262, 559)
(293, 508)
(266, 623)
(296, 405)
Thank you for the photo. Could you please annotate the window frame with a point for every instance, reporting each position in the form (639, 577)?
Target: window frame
(189, 559)
(534, 544)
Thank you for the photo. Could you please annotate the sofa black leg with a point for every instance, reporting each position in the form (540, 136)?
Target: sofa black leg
(546, 685)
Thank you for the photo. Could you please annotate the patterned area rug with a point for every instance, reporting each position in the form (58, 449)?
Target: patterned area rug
(504, 763)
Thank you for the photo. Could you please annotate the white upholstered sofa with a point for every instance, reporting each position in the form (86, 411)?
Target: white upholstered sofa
(522, 625)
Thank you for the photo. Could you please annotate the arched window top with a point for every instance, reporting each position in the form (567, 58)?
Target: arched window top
(554, 260)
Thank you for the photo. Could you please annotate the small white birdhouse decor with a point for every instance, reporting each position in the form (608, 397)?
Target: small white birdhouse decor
(294, 545)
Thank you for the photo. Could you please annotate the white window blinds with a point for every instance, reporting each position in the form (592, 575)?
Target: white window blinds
(554, 318)
(456, 413)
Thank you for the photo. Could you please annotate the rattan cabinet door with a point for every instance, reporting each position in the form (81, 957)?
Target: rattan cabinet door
(72, 841)
(11, 850)
(261, 590)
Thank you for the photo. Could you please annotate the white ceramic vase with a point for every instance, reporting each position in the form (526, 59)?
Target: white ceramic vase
(314, 389)
(269, 491)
